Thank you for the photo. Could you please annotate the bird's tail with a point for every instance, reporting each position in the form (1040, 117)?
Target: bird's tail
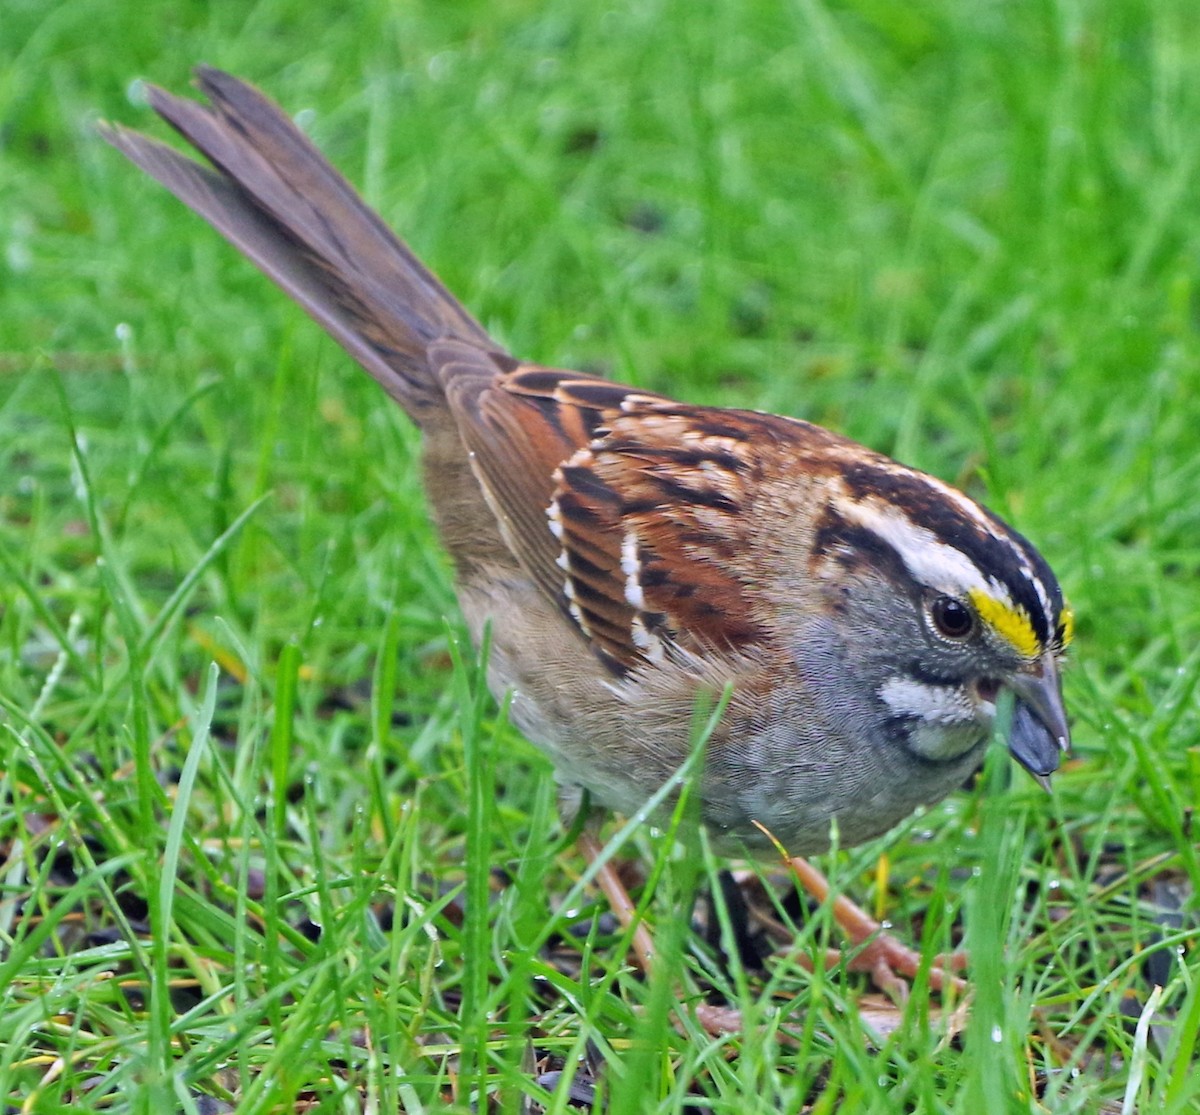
(274, 196)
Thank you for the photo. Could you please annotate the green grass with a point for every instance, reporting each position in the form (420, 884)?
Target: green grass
(264, 838)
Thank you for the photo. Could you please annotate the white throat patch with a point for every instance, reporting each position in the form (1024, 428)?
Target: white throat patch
(948, 722)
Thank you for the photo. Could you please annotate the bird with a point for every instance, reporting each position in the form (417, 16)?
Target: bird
(630, 556)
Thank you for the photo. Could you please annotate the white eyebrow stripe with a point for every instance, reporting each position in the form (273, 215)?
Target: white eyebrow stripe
(1000, 590)
(1020, 551)
(1038, 587)
(928, 559)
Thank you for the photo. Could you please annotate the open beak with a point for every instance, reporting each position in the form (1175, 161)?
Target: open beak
(1039, 725)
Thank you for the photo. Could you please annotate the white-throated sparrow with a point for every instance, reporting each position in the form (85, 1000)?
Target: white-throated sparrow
(631, 553)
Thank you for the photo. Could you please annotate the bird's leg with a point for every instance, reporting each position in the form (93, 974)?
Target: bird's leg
(622, 906)
(582, 821)
(717, 1021)
(888, 961)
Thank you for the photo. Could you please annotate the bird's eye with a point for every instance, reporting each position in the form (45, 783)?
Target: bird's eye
(952, 618)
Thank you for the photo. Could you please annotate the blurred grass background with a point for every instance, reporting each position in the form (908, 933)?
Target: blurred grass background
(965, 233)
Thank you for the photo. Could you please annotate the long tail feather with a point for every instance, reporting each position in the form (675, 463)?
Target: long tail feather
(276, 198)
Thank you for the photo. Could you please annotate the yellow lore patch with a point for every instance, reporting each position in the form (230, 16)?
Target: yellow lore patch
(1011, 624)
(1066, 621)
